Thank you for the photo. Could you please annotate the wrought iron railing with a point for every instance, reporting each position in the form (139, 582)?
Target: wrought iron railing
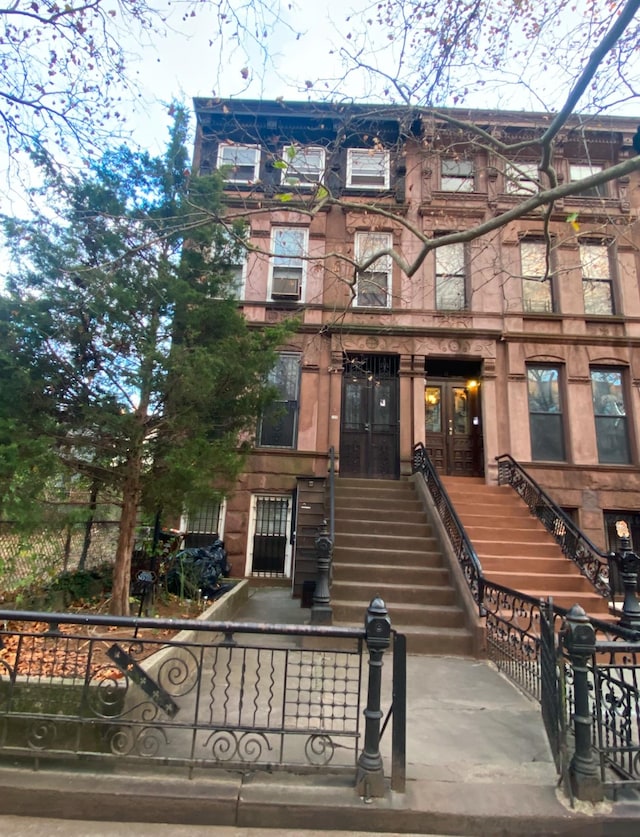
(592, 562)
(236, 695)
(332, 494)
(463, 550)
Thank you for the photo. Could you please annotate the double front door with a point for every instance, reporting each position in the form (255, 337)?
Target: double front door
(369, 431)
(453, 436)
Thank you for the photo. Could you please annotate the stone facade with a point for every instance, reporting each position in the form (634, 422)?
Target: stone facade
(436, 366)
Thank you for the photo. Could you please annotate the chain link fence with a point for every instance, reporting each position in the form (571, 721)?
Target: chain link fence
(39, 557)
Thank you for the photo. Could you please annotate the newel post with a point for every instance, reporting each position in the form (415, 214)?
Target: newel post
(579, 638)
(370, 775)
(321, 610)
(628, 565)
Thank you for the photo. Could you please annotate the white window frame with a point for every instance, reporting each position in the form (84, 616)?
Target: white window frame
(456, 182)
(535, 277)
(298, 173)
(578, 171)
(288, 263)
(585, 265)
(441, 274)
(518, 176)
(253, 519)
(239, 269)
(364, 243)
(221, 163)
(356, 157)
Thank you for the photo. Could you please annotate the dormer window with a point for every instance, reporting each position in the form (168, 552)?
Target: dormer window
(367, 169)
(239, 163)
(303, 167)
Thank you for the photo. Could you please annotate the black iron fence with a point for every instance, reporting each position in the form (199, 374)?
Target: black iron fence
(237, 695)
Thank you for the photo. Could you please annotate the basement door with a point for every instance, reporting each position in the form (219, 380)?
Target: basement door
(369, 429)
(453, 437)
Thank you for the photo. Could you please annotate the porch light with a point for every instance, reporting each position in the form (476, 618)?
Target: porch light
(472, 384)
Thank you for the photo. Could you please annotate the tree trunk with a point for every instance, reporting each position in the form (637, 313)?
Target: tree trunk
(88, 526)
(126, 540)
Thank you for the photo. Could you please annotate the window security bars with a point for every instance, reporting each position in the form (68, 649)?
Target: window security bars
(593, 563)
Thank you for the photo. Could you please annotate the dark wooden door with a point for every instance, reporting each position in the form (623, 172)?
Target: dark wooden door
(452, 426)
(369, 431)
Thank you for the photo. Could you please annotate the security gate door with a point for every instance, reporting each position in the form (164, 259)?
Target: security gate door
(369, 432)
(452, 427)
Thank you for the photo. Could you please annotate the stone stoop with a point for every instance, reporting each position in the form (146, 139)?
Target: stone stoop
(384, 546)
(515, 549)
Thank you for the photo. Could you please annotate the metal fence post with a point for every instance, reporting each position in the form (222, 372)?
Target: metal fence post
(628, 565)
(321, 610)
(370, 776)
(579, 638)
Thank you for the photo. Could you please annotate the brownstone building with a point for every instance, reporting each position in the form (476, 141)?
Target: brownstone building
(524, 340)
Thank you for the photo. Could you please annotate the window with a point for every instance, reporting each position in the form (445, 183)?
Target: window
(456, 176)
(536, 283)
(279, 422)
(450, 278)
(373, 284)
(579, 172)
(203, 525)
(521, 179)
(367, 169)
(597, 287)
(241, 163)
(288, 266)
(229, 251)
(610, 416)
(303, 166)
(545, 413)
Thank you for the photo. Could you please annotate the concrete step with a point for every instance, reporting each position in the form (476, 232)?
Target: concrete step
(385, 557)
(375, 526)
(394, 591)
(401, 514)
(506, 563)
(391, 543)
(516, 549)
(525, 581)
(354, 503)
(436, 576)
(433, 616)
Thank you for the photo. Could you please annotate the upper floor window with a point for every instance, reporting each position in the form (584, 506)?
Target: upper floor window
(580, 171)
(288, 265)
(367, 168)
(537, 294)
(304, 167)
(278, 425)
(610, 416)
(597, 285)
(373, 286)
(456, 175)
(545, 413)
(229, 251)
(521, 179)
(240, 163)
(451, 278)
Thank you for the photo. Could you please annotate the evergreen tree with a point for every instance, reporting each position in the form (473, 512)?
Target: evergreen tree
(125, 359)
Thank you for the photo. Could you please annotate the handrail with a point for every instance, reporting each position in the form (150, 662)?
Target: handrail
(332, 493)
(464, 551)
(592, 562)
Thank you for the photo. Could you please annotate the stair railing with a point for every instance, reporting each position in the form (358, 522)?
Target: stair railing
(592, 562)
(321, 610)
(463, 550)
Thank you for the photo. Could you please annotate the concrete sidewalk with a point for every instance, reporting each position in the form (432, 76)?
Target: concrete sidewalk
(478, 763)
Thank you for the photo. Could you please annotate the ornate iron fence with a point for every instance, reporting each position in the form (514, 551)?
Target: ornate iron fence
(236, 695)
(592, 562)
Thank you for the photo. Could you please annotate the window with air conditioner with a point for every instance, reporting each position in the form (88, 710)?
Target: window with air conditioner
(373, 284)
(288, 265)
(367, 169)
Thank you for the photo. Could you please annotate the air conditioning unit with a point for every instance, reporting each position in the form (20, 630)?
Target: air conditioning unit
(285, 287)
